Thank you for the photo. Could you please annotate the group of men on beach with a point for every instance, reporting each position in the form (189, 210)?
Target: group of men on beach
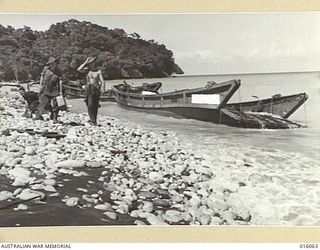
(51, 87)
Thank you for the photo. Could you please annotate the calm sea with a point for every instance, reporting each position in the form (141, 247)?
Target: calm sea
(287, 162)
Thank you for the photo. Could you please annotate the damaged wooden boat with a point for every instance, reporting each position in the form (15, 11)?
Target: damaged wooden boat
(283, 106)
(258, 120)
(74, 89)
(199, 103)
(152, 87)
(208, 103)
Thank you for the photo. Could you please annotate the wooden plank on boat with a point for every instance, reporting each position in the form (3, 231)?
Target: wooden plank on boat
(255, 120)
(283, 106)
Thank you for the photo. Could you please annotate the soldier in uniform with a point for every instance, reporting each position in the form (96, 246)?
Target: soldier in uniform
(50, 87)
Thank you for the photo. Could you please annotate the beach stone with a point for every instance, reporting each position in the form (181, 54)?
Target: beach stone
(88, 198)
(205, 219)
(52, 158)
(128, 199)
(139, 223)
(179, 169)
(147, 206)
(164, 194)
(146, 195)
(38, 166)
(54, 195)
(177, 198)
(28, 193)
(195, 202)
(216, 203)
(144, 215)
(50, 182)
(129, 192)
(2, 160)
(123, 208)
(110, 187)
(135, 213)
(29, 150)
(155, 220)
(72, 201)
(154, 176)
(215, 220)
(16, 151)
(104, 207)
(228, 217)
(72, 133)
(94, 164)
(161, 202)
(49, 188)
(17, 191)
(81, 173)
(173, 216)
(82, 190)
(187, 194)
(70, 164)
(42, 142)
(105, 172)
(111, 215)
(21, 207)
(5, 195)
(21, 176)
(13, 162)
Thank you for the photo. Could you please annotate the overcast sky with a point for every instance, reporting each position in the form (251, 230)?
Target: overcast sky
(215, 43)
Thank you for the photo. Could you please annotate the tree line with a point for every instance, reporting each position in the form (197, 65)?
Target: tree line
(24, 52)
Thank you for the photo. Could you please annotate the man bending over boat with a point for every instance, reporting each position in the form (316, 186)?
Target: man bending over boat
(32, 102)
(94, 83)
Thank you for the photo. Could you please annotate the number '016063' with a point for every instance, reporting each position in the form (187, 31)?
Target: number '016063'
(309, 246)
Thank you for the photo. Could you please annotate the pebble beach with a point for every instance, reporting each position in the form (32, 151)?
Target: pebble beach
(111, 174)
(72, 174)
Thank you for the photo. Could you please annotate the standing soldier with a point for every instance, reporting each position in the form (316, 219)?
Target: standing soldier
(95, 83)
(50, 87)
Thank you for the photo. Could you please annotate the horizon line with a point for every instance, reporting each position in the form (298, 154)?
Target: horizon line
(246, 73)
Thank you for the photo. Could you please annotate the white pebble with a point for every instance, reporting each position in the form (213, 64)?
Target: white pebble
(72, 201)
(111, 215)
(21, 207)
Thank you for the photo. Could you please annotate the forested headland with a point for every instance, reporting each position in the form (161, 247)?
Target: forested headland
(24, 52)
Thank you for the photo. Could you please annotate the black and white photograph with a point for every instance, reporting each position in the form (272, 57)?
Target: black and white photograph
(160, 119)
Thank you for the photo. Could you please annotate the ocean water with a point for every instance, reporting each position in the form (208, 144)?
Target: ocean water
(282, 181)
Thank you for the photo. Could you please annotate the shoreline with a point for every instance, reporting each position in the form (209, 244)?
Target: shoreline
(141, 177)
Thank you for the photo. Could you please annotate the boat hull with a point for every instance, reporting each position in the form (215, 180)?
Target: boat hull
(283, 106)
(180, 103)
(222, 116)
(179, 99)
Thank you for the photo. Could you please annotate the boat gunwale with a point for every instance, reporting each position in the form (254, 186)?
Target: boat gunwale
(177, 92)
(304, 94)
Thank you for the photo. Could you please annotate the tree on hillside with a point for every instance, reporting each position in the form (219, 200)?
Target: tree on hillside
(24, 52)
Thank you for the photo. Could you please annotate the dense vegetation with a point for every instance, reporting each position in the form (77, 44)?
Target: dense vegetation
(24, 52)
